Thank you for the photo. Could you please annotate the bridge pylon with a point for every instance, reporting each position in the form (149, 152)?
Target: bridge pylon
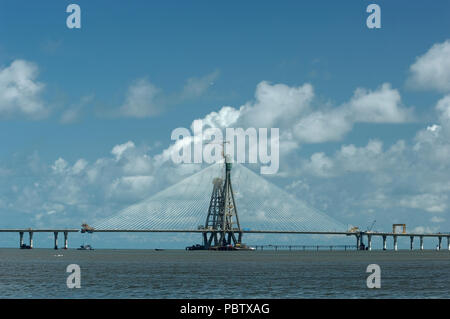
(222, 226)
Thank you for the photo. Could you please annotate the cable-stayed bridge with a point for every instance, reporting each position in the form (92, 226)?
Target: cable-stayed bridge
(223, 204)
(260, 204)
(258, 207)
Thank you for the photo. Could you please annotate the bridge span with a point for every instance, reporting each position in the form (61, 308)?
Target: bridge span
(359, 235)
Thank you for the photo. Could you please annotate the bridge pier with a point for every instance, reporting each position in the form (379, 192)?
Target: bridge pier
(21, 239)
(395, 243)
(440, 243)
(384, 242)
(369, 242)
(358, 241)
(66, 235)
(31, 238)
(411, 246)
(448, 243)
(421, 242)
(56, 239)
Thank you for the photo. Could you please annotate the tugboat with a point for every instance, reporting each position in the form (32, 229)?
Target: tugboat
(85, 247)
(196, 247)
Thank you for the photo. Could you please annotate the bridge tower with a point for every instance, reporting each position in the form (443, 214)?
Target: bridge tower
(222, 219)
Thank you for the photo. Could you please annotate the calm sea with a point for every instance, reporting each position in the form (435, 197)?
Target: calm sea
(41, 273)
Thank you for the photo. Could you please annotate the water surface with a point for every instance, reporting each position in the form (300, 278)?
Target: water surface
(41, 273)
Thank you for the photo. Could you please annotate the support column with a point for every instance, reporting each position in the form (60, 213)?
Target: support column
(411, 246)
(21, 239)
(31, 238)
(440, 243)
(56, 239)
(66, 235)
(369, 242)
(384, 242)
(421, 242)
(395, 243)
(358, 241)
(448, 243)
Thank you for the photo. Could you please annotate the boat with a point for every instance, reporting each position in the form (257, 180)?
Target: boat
(85, 247)
(196, 247)
(243, 247)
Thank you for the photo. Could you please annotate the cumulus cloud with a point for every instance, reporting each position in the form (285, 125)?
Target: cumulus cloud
(119, 149)
(380, 106)
(356, 180)
(431, 71)
(141, 100)
(323, 126)
(432, 203)
(144, 99)
(20, 93)
(276, 104)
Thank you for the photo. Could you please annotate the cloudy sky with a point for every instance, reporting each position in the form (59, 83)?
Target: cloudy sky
(86, 114)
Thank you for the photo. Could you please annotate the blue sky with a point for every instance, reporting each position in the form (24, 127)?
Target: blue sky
(191, 58)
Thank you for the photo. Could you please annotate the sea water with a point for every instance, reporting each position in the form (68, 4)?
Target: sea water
(41, 273)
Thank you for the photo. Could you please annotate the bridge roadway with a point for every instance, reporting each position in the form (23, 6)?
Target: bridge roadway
(359, 235)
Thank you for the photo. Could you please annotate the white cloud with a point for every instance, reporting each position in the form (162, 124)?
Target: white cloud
(320, 165)
(226, 117)
(443, 107)
(431, 71)
(141, 100)
(196, 87)
(276, 104)
(20, 93)
(319, 127)
(380, 106)
(432, 203)
(119, 149)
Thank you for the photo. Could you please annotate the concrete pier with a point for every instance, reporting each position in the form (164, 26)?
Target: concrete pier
(395, 243)
(369, 242)
(448, 243)
(56, 239)
(66, 234)
(411, 246)
(31, 239)
(32, 231)
(440, 243)
(21, 239)
(384, 242)
(358, 241)
(421, 242)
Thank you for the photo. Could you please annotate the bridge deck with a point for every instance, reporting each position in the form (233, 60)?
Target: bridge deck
(268, 232)
(26, 230)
